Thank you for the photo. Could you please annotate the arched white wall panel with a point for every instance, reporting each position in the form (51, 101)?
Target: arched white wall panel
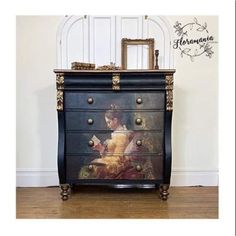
(72, 41)
(102, 39)
(158, 28)
(97, 39)
(129, 27)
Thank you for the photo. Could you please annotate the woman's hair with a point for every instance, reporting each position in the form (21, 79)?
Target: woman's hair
(114, 112)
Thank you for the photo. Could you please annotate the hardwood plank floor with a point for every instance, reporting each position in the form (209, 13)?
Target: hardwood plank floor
(87, 202)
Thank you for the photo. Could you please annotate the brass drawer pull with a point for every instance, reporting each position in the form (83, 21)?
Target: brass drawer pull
(138, 121)
(138, 168)
(90, 121)
(139, 100)
(91, 143)
(90, 167)
(139, 142)
(90, 100)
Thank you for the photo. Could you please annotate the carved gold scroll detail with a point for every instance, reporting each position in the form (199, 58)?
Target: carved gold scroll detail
(60, 88)
(116, 81)
(169, 92)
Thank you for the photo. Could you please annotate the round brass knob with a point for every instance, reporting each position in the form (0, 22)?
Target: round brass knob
(139, 142)
(139, 100)
(138, 121)
(138, 168)
(90, 143)
(90, 100)
(90, 121)
(90, 167)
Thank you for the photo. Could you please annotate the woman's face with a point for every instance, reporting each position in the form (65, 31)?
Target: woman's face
(111, 123)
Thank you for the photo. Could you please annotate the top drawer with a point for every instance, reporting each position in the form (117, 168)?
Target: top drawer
(97, 80)
(124, 100)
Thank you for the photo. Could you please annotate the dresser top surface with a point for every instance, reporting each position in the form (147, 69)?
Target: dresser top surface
(69, 71)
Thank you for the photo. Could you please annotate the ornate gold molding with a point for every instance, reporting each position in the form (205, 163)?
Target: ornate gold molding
(169, 92)
(60, 81)
(116, 81)
(59, 100)
(60, 88)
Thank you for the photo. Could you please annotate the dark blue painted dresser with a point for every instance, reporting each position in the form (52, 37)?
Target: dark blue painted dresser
(114, 128)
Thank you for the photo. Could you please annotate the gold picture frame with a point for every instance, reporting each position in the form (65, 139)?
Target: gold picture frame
(125, 42)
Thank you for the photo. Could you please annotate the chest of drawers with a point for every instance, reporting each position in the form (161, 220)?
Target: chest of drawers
(114, 128)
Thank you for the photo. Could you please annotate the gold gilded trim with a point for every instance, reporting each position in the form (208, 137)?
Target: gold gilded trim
(60, 81)
(60, 88)
(169, 92)
(116, 81)
(59, 100)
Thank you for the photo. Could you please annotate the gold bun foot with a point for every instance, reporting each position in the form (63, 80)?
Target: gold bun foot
(65, 191)
(163, 189)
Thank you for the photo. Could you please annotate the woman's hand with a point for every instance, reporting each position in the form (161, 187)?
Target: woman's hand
(99, 147)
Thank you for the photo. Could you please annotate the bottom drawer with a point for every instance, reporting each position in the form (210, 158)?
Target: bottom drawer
(115, 167)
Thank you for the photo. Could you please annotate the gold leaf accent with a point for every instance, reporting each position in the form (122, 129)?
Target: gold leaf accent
(169, 92)
(60, 88)
(169, 100)
(169, 80)
(60, 81)
(116, 81)
(59, 100)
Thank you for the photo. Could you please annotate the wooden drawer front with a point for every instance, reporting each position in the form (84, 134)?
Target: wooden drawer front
(95, 120)
(131, 167)
(137, 143)
(103, 81)
(104, 100)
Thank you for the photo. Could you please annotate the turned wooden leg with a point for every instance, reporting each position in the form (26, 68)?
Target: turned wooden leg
(163, 188)
(65, 191)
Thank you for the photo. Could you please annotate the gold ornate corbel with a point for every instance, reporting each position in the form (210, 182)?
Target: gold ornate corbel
(60, 81)
(116, 81)
(169, 92)
(60, 88)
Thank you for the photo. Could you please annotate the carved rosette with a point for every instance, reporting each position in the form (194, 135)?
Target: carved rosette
(60, 88)
(169, 92)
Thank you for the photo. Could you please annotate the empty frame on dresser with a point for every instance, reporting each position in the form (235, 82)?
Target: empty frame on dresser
(114, 128)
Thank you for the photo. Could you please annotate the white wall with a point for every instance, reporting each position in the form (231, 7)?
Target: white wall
(36, 134)
(195, 115)
(195, 118)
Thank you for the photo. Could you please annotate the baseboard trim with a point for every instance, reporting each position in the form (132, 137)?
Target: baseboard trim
(36, 177)
(194, 177)
(49, 177)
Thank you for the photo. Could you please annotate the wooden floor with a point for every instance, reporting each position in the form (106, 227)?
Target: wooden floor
(88, 202)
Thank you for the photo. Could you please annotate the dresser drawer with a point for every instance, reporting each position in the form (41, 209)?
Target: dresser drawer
(129, 100)
(131, 167)
(139, 142)
(95, 120)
